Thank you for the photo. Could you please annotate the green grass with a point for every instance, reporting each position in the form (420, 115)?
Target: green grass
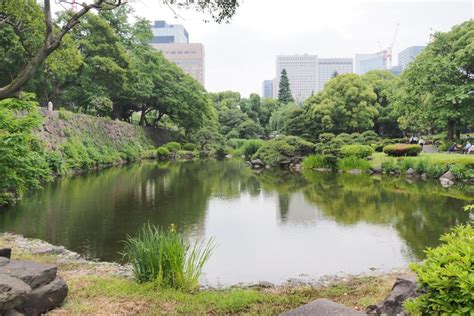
(164, 258)
(109, 295)
(353, 162)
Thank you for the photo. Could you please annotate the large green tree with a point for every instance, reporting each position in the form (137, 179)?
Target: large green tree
(384, 84)
(284, 90)
(437, 88)
(21, 18)
(347, 104)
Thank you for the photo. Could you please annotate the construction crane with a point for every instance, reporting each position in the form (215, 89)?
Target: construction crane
(387, 53)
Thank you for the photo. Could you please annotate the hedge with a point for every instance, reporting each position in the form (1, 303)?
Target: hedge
(399, 150)
(361, 151)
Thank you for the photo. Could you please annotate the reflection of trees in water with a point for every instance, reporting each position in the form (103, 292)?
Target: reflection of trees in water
(97, 210)
(419, 216)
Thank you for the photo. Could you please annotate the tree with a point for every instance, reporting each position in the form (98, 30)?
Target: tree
(437, 88)
(16, 16)
(385, 84)
(347, 104)
(284, 91)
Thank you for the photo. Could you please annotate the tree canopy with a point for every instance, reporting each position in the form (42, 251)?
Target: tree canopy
(284, 90)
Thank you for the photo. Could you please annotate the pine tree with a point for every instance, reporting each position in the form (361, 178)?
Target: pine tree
(284, 92)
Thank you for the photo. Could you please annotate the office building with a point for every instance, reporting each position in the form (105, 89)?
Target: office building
(302, 73)
(173, 41)
(328, 68)
(396, 70)
(367, 62)
(407, 55)
(169, 33)
(267, 89)
(189, 57)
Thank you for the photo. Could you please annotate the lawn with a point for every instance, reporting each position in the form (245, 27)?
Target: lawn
(436, 158)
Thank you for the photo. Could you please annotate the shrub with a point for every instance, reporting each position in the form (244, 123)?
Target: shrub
(162, 256)
(446, 276)
(436, 170)
(189, 147)
(319, 161)
(390, 165)
(461, 172)
(250, 147)
(162, 152)
(326, 137)
(361, 151)
(398, 150)
(274, 151)
(173, 146)
(353, 162)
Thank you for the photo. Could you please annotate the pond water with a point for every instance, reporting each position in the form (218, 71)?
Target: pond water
(270, 226)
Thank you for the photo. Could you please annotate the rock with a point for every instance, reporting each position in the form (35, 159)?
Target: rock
(354, 171)
(257, 163)
(4, 261)
(322, 306)
(405, 287)
(32, 273)
(446, 182)
(268, 167)
(12, 312)
(424, 176)
(13, 292)
(45, 298)
(6, 252)
(448, 176)
(410, 172)
(377, 169)
(323, 169)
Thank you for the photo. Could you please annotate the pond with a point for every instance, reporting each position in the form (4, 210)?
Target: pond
(270, 226)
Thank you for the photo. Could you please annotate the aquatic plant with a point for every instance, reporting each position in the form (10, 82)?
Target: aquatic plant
(162, 256)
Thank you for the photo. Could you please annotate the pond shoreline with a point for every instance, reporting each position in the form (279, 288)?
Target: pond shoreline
(37, 249)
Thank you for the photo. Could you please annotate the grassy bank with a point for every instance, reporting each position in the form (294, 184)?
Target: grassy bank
(96, 289)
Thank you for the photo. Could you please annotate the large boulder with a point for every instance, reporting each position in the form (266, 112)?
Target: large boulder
(32, 273)
(448, 176)
(257, 163)
(405, 287)
(13, 292)
(45, 298)
(410, 172)
(323, 306)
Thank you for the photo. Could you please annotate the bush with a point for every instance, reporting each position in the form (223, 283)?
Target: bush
(250, 147)
(162, 152)
(162, 256)
(398, 150)
(390, 165)
(462, 172)
(353, 162)
(189, 147)
(173, 146)
(326, 137)
(446, 276)
(319, 161)
(274, 151)
(361, 151)
(436, 170)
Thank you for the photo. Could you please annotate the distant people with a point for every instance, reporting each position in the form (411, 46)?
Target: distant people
(452, 148)
(467, 149)
(421, 142)
(415, 140)
(411, 140)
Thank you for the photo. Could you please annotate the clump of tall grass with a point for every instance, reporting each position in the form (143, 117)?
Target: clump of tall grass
(319, 161)
(353, 162)
(162, 256)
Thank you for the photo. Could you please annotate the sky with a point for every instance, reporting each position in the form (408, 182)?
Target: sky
(240, 55)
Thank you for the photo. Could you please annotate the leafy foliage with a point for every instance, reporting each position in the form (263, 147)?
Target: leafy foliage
(399, 150)
(361, 151)
(23, 165)
(274, 151)
(163, 257)
(446, 276)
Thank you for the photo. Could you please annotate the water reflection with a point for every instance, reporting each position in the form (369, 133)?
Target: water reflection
(269, 225)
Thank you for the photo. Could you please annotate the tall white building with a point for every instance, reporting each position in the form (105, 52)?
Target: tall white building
(406, 56)
(302, 73)
(164, 33)
(328, 68)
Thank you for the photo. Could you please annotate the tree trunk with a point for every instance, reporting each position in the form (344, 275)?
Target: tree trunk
(451, 126)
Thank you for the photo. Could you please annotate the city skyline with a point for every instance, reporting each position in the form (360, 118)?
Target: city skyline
(240, 55)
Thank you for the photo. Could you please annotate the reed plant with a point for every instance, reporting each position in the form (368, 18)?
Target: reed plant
(353, 162)
(164, 257)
